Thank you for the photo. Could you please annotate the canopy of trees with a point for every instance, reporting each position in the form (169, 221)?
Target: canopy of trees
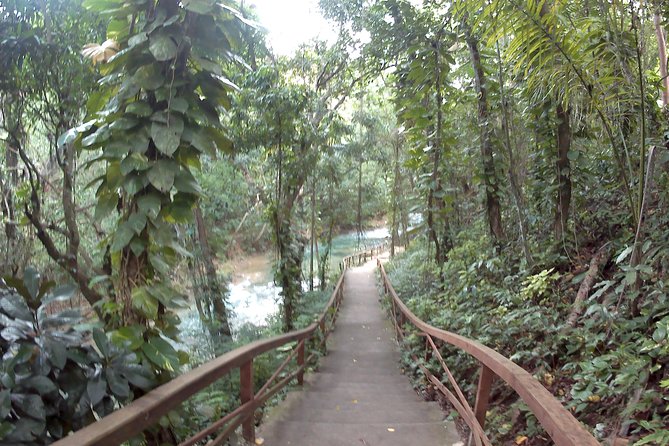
(521, 146)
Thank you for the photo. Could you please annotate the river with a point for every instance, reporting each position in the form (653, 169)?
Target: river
(253, 296)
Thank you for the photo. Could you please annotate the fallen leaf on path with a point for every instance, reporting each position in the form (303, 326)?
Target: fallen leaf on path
(390, 429)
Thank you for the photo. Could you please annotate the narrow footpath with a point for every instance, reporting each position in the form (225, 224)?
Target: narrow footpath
(358, 397)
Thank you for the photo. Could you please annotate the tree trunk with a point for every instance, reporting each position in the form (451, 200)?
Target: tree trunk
(516, 190)
(214, 290)
(598, 260)
(492, 192)
(394, 227)
(312, 234)
(662, 53)
(563, 173)
(358, 220)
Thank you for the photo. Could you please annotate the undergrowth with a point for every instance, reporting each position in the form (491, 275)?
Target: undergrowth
(610, 369)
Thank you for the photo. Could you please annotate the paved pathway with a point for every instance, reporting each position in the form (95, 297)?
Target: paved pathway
(359, 396)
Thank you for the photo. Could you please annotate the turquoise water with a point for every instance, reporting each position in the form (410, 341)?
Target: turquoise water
(253, 296)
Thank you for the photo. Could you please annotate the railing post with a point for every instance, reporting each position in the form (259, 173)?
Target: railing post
(300, 362)
(246, 395)
(486, 379)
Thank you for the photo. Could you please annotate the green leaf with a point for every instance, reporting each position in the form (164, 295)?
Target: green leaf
(42, 384)
(106, 204)
(96, 388)
(167, 137)
(199, 6)
(57, 353)
(124, 233)
(159, 264)
(60, 294)
(134, 161)
(162, 174)
(623, 255)
(137, 39)
(117, 384)
(5, 404)
(124, 123)
(144, 302)
(631, 276)
(162, 46)
(137, 246)
(67, 138)
(138, 375)
(135, 182)
(161, 353)
(148, 77)
(137, 222)
(101, 341)
(150, 204)
(16, 307)
(31, 278)
(179, 104)
(30, 405)
(129, 337)
(140, 109)
(186, 182)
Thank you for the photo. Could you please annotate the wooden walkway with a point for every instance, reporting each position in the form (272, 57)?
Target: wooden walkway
(359, 395)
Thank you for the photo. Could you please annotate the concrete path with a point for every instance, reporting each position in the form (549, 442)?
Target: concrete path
(359, 396)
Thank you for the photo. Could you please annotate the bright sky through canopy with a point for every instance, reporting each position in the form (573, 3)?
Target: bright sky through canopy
(291, 23)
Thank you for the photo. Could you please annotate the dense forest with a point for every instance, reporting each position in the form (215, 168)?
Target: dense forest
(518, 149)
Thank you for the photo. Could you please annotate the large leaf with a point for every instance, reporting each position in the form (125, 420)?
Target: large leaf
(138, 375)
(162, 174)
(16, 307)
(29, 405)
(145, 303)
(42, 384)
(134, 161)
(149, 204)
(162, 46)
(117, 384)
(128, 337)
(162, 354)
(60, 294)
(124, 233)
(32, 279)
(96, 389)
(57, 353)
(5, 404)
(167, 135)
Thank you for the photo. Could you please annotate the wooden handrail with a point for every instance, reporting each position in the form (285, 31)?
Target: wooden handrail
(563, 428)
(141, 414)
(360, 257)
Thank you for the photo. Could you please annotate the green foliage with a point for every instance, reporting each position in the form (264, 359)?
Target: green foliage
(53, 380)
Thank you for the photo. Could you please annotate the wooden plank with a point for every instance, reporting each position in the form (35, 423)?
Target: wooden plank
(486, 379)
(245, 396)
(300, 362)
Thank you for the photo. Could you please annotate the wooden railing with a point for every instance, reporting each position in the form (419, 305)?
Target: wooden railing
(358, 258)
(126, 423)
(562, 427)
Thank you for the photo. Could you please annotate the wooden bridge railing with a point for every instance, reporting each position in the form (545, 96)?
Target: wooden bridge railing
(562, 427)
(361, 257)
(143, 413)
